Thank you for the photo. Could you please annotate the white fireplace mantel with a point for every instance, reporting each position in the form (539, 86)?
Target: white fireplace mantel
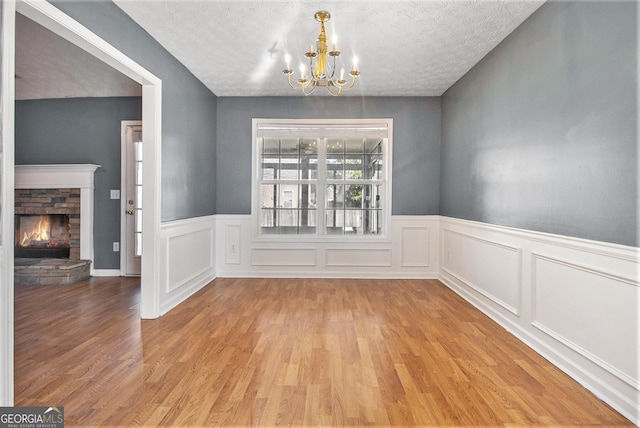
(55, 176)
(65, 176)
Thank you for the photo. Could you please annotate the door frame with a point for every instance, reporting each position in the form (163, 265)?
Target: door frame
(124, 247)
(55, 20)
(7, 94)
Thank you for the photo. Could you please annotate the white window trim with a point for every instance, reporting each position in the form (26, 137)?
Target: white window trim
(387, 174)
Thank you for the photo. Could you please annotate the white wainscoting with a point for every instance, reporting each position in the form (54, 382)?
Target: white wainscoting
(188, 254)
(410, 252)
(576, 302)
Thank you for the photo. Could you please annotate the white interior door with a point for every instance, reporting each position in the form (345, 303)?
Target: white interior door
(131, 242)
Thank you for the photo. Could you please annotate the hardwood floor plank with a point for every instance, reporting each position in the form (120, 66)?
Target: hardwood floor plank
(294, 352)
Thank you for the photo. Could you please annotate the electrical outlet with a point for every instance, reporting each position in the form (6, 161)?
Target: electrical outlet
(233, 249)
(116, 247)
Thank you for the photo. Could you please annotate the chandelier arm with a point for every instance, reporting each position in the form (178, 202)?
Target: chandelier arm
(304, 85)
(335, 94)
(336, 88)
(311, 84)
(298, 87)
(333, 68)
(312, 70)
(353, 82)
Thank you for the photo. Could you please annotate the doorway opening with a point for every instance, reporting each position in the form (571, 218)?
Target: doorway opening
(61, 24)
(131, 198)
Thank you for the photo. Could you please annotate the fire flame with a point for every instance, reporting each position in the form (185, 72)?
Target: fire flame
(39, 233)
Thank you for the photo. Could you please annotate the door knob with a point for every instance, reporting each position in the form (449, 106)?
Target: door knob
(129, 212)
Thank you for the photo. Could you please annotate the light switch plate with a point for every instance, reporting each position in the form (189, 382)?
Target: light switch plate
(115, 194)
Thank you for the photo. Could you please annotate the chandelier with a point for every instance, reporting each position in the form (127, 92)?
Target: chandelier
(322, 70)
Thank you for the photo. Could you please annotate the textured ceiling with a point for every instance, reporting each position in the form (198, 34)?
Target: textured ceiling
(237, 48)
(405, 48)
(47, 66)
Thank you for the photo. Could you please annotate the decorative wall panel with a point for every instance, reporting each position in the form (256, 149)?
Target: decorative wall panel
(283, 257)
(489, 267)
(415, 246)
(188, 257)
(358, 257)
(589, 310)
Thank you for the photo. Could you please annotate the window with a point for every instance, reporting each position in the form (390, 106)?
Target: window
(322, 178)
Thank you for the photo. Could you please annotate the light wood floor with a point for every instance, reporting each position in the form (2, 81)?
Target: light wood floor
(294, 352)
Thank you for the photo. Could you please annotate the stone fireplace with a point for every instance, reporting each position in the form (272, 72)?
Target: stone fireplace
(53, 223)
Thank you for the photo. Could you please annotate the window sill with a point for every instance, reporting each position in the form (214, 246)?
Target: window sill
(321, 239)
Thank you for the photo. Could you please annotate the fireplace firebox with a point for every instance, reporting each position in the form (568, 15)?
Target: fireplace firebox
(42, 236)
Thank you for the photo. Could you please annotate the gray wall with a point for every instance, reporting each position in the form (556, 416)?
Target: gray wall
(188, 109)
(542, 133)
(81, 130)
(416, 143)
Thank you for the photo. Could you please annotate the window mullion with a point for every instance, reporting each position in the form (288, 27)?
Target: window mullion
(321, 191)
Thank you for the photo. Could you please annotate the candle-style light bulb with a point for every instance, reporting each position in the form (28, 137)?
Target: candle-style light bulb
(303, 70)
(287, 59)
(355, 63)
(342, 72)
(334, 43)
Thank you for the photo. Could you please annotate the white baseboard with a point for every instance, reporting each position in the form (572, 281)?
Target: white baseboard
(335, 274)
(186, 291)
(105, 272)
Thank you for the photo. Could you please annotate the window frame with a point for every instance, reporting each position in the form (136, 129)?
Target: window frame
(323, 180)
